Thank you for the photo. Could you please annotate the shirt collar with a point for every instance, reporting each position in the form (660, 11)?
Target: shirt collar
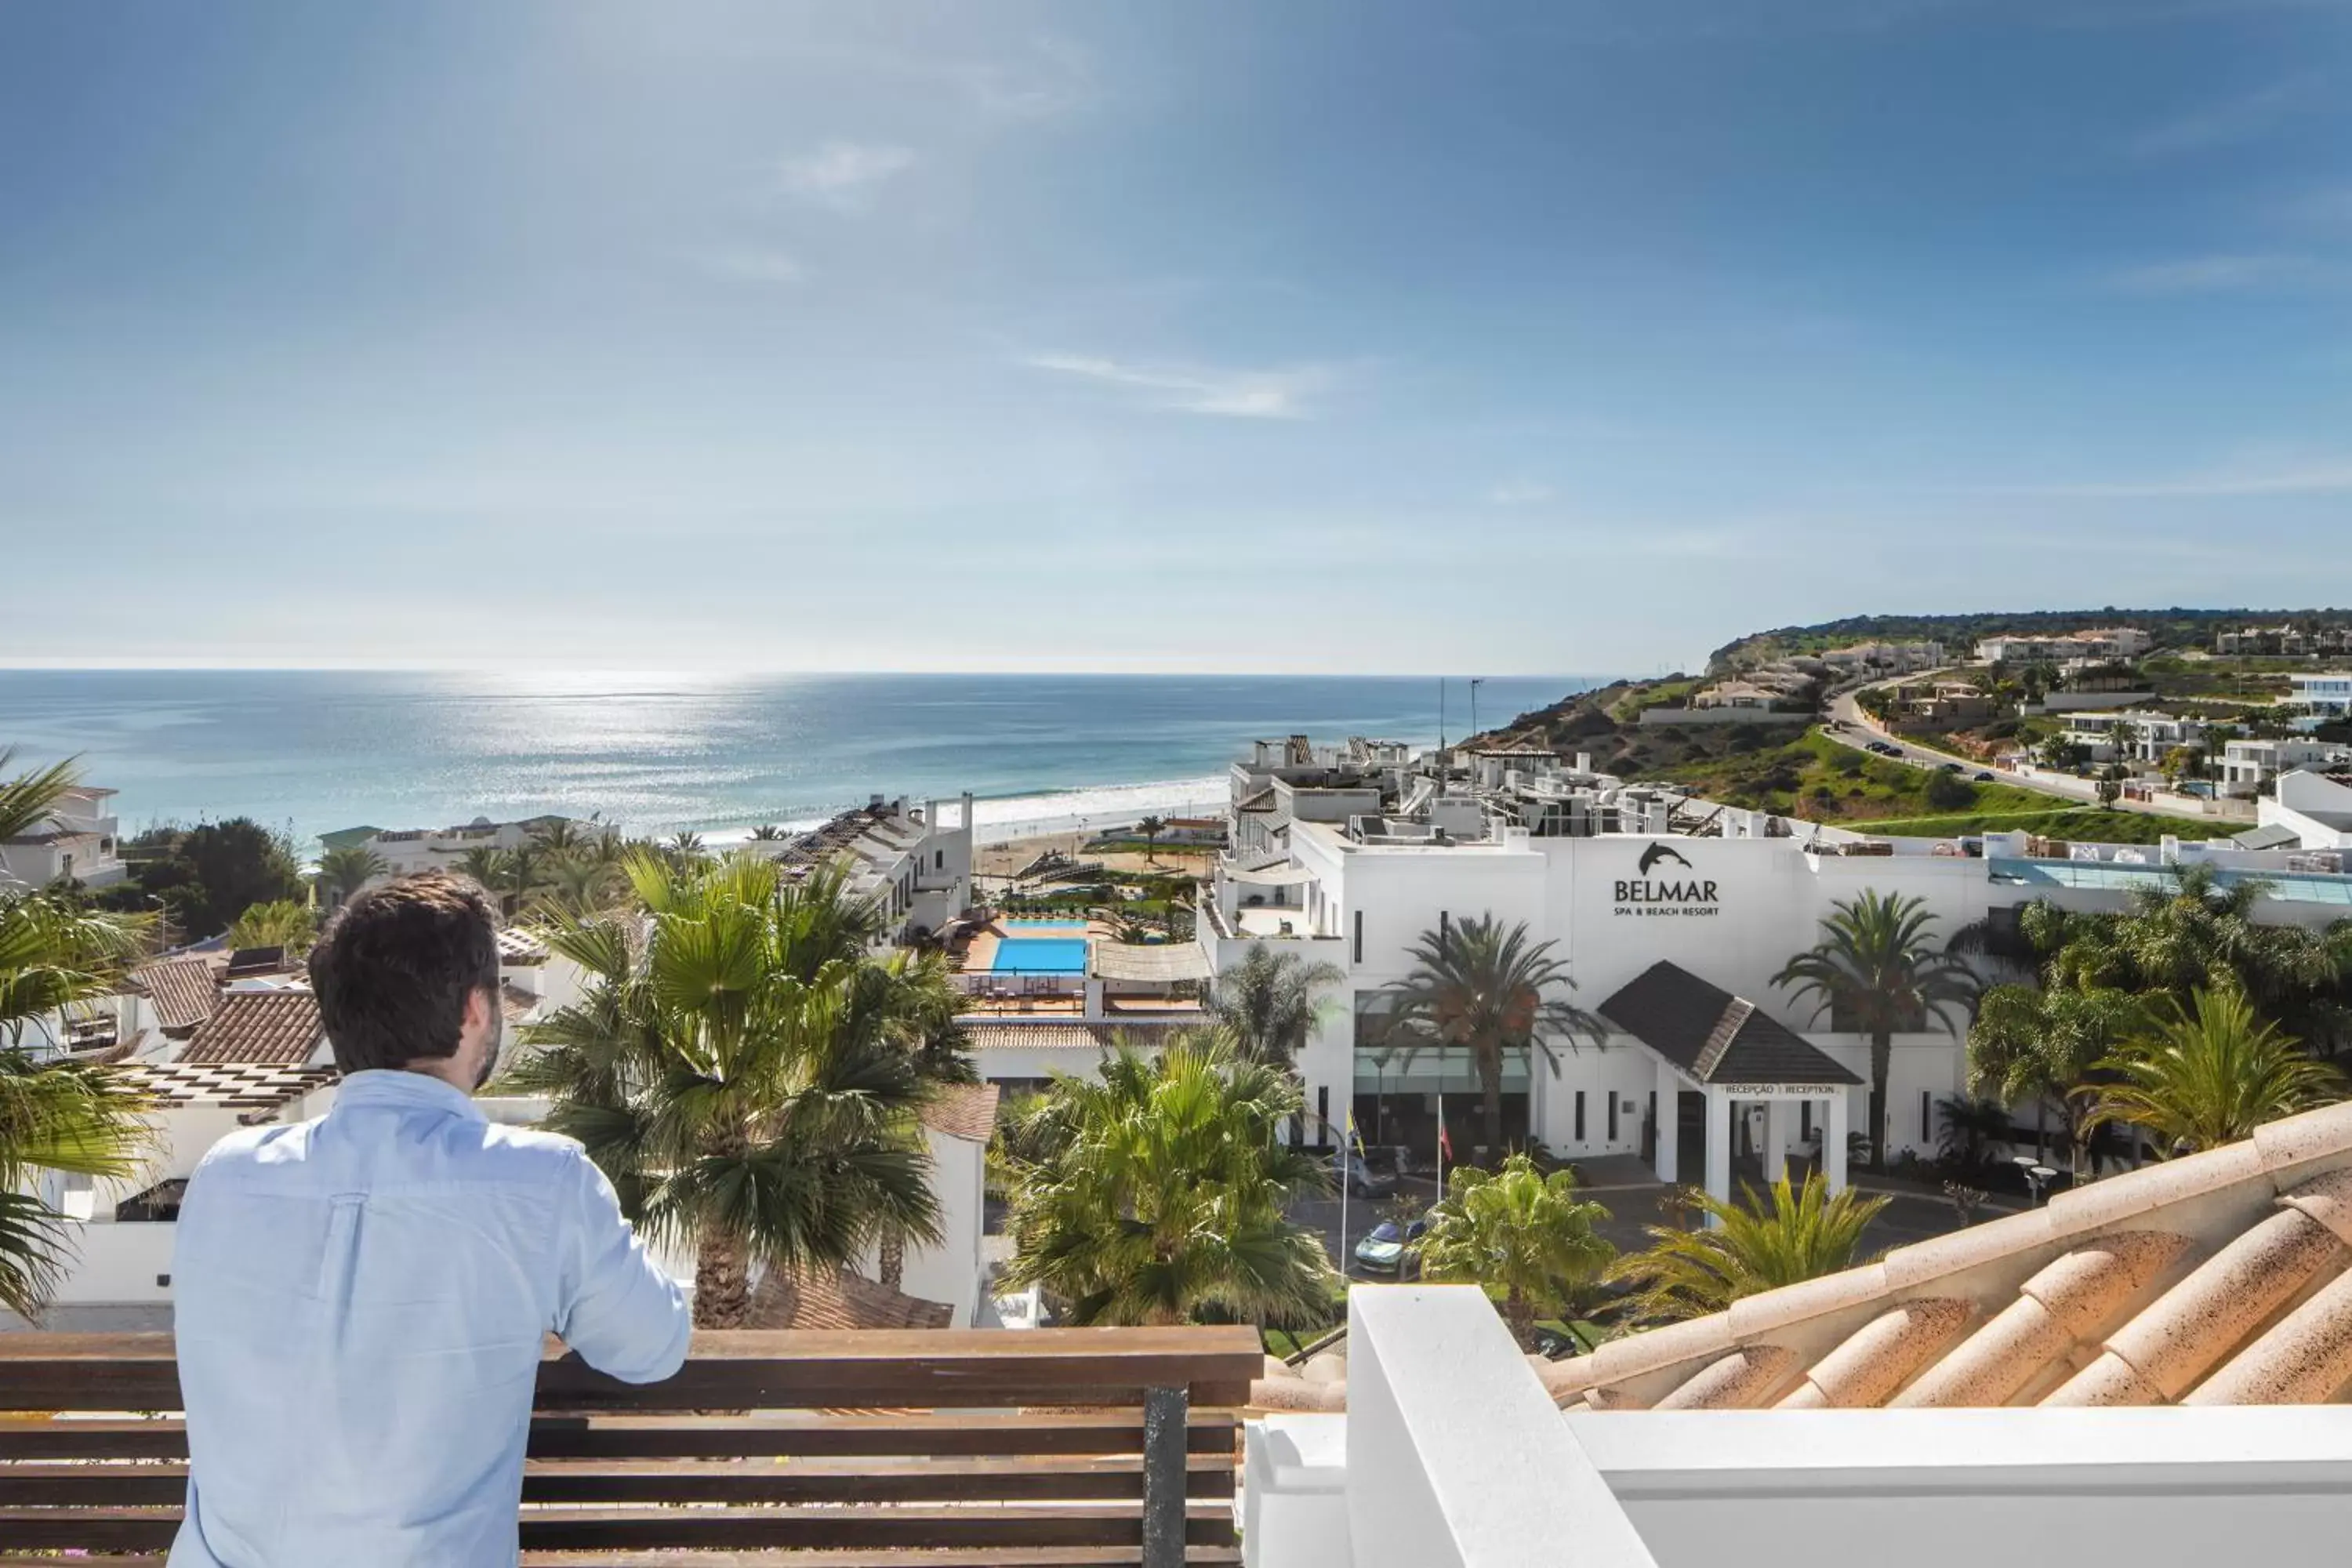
(420, 1090)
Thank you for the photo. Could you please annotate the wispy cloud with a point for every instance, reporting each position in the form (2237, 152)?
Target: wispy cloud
(751, 264)
(2219, 274)
(843, 174)
(2232, 122)
(2321, 476)
(1287, 391)
(1520, 492)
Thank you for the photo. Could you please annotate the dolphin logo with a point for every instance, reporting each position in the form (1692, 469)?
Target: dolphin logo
(1657, 852)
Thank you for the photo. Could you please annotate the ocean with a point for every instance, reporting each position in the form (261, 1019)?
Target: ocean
(314, 750)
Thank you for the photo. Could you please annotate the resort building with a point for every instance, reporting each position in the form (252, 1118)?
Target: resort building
(1672, 916)
(909, 860)
(2324, 698)
(2106, 643)
(76, 844)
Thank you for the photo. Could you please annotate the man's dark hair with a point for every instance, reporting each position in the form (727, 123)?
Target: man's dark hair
(395, 967)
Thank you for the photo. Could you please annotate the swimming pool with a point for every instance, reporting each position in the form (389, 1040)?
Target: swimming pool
(1040, 955)
(1039, 927)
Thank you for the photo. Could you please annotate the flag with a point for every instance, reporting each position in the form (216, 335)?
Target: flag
(1355, 1139)
(1444, 1143)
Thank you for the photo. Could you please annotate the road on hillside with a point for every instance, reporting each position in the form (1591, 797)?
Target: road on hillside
(1850, 726)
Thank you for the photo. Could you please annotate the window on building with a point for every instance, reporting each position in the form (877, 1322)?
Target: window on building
(1804, 1119)
(1927, 1117)
(1360, 937)
(1579, 1116)
(1612, 1116)
(1323, 1114)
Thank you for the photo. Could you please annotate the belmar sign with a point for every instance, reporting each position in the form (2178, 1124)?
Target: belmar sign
(1655, 889)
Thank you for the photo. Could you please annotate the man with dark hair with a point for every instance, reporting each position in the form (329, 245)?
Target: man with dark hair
(362, 1298)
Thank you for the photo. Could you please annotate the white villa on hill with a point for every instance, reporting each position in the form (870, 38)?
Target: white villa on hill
(78, 843)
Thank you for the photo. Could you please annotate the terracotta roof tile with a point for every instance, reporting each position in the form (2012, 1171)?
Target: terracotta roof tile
(237, 1086)
(185, 991)
(966, 1111)
(997, 1035)
(275, 1026)
(819, 1299)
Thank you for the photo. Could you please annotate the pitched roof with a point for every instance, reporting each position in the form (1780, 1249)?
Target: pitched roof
(279, 1026)
(185, 991)
(821, 1298)
(239, 1086)
(1714, 1036)
(2218, 1278)
(966, 1111)
(517, 946)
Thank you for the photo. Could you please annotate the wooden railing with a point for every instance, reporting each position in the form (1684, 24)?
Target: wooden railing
(1062, 1446)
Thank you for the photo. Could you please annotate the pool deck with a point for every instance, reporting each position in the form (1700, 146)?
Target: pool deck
(981, 956)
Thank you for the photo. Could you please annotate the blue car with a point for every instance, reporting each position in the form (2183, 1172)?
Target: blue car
(1390, 1250)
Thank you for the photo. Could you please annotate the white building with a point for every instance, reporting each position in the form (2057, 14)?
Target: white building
(909, 861)
(1703, 1067)
(2316, 809)
(404, 850)
(78, 843)
(2326, 697)
(2133, 737)
(2247, 765)
(2030, 647)
(1881, 658)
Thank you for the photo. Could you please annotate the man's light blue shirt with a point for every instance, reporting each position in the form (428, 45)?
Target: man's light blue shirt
(362, 1301)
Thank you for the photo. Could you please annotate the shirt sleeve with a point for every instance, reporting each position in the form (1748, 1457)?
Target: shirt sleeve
(625, 1317)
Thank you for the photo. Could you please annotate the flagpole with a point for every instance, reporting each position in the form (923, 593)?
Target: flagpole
(1441, 1123)
(1346, 1155)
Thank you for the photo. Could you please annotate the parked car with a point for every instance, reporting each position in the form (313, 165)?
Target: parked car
(1392, 1249)
(1982, 776)
(1365, 1181)
(1952, 767)
(1884, 750)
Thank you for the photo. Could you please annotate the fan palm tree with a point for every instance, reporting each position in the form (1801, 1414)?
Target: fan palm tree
(2042, 1046)
(77, 1118)
(343, 872)
(281, 922)
(1967, 1127)
(1872, 972)
(1802, 1235)
(741, 1069)
(1152, 827)
(1524, 1236)
(1270, 1002)
(1158, 1193)
(1478, 986)
(2208, 1074)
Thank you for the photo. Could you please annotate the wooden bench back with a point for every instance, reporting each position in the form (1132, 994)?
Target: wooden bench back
(1043, 1446)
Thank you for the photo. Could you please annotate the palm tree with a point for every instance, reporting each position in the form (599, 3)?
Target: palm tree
(1270, 1002)
(484, 866)
(1969, 1126)
(582, 883)
(1158, 1193)
(77, 1118)
(1803, 1234)
(1523, 1236)
(2209, 1074)
(684, 848)
(344, 871)
(558, 836)
(1485, 989)
(2042, 1046)
(741, 1069)
(1872, 972)
(1152, 827)
(767, 832)
(283, 923)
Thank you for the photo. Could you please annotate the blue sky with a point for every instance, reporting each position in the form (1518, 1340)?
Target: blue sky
(1571, 336)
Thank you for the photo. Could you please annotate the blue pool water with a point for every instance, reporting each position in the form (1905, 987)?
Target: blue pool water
(1040, 955)
(1040, 928)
